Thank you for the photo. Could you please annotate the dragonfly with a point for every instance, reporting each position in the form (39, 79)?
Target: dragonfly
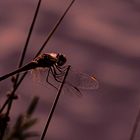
(56, 68)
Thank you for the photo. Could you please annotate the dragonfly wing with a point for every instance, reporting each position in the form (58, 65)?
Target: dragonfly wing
(74, 82)
(39, 75)
(81, 80)
(68, 89)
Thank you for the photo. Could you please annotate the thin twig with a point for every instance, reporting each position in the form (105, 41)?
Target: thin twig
(10, 100)
(6, 102)
(135, 126)
(55, 27)
(28, 38)
(54, 105)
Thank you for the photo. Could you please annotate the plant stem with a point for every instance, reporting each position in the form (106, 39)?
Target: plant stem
(28, 38)
(10, 100)
(55, 27)
(7, 101)
(54, 105)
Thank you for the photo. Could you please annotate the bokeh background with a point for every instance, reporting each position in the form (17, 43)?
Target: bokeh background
(100, 37)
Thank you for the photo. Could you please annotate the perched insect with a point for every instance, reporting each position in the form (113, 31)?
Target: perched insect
(55, 63)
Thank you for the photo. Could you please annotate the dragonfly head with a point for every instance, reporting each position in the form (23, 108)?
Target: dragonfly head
(61, 59)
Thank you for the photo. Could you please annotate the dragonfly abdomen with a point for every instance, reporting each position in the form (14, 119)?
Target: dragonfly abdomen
(27, 67)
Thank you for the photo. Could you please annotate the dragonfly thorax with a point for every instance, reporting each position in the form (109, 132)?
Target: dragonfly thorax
(50, 59)
(45, 60)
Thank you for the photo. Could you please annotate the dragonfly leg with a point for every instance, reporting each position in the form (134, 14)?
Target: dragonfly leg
(47, 79)
(61, 74)
(57, 75)
(61, 69)
(52, 70)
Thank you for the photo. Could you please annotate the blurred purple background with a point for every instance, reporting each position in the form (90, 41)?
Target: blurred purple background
(100, 37)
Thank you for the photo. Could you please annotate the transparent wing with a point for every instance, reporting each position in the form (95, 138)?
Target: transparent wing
(81, 80)
(72, 91)
(75, 81)
(39, 75)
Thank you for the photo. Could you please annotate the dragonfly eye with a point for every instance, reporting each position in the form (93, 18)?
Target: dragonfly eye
(61, 60)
